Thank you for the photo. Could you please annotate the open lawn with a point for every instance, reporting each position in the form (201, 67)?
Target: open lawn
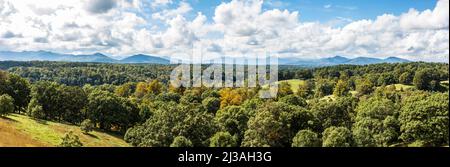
(293, 82)
(23, 131)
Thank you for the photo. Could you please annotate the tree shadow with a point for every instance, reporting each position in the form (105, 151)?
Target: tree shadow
(43, 122)
(91, 135)
(112, 133)
(9, 119)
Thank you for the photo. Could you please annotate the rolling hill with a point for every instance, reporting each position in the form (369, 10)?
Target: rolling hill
(22, 131)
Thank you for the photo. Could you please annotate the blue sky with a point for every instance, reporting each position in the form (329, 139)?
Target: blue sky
(328, 10)
(411, 29)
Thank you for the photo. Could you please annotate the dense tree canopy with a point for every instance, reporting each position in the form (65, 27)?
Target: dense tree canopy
(306, 138)
(337, 137)
(424, 119)
(398, 104)
(376, 123)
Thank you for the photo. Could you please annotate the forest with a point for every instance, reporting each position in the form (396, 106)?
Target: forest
(379, 105)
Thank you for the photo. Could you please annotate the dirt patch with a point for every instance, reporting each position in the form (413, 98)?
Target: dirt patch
(11, 137)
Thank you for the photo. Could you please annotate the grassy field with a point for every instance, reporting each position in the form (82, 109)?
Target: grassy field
(22, 131)
(293, 82)
(399, 87)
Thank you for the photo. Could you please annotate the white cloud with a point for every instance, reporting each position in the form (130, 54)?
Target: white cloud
(100, 6)
(156, 3)
(166, 14)
(122, 27)
(428, 19)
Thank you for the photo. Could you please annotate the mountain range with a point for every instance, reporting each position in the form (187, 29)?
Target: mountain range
(150, 59)
(337, 60)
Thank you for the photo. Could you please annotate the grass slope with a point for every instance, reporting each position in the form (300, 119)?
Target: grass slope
(293, 82)
(22, 131)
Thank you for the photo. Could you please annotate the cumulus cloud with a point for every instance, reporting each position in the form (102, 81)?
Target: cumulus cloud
(166, 14)
(100, 6)
(156, 3)
(124, 27)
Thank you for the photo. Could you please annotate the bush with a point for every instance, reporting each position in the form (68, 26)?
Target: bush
(181, 141)
(223, 139)
(337, 137)
(71, 140)
(7, 104)
(293, 100)
(306, 138)
(35, 110)
(87, 126)
(212, 104)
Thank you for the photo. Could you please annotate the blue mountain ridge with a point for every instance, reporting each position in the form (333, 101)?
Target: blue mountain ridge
(151, 59)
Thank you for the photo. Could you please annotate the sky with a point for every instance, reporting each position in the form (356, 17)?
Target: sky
(411, 29)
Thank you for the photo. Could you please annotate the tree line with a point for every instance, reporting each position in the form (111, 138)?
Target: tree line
(365, 107)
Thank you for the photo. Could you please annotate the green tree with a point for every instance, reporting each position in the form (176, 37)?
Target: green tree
(305, 89)
(141, 89)
(337, 137)
(364, 86)
(46, 94)
(35, 110)
(386, 78)
(324, 87)
(406, 78)
(171, 120)
(223, 139)
(284, 89)
(212, 104)
(181, 141)
(108, 111)
(70, 140)
(7, 105)
(126, 90)
(3, 78)
(376, 123)
(424, 119)
(86, 126)
(341, 88)
(426, 79)
(210, 93)
(70, 101)
(233, 119)
(306, 138)
(168, 96)
(275, 125)
(190, 97)
(339, 112)
(19, 89)
(155, 87)
(293, 100)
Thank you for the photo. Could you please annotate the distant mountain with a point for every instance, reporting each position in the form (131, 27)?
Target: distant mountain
(148, 59)
(96, 58)
(140, 58)
(50, 56)
(337, 60)
(395, 60)
(363, 61)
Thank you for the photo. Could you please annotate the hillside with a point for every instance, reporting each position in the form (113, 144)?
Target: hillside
(137, 59)
(22, 131)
